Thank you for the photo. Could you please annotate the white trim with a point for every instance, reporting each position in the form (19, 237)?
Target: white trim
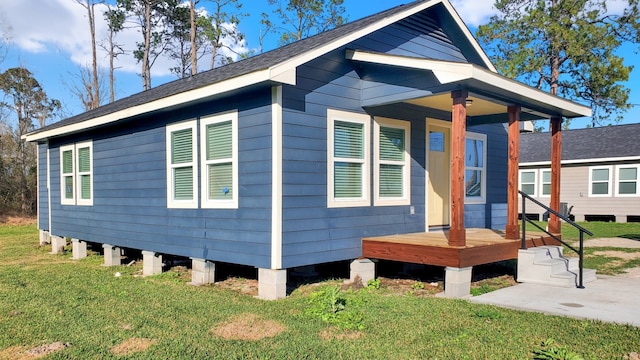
(207, 203)
(63, 199)
(182, 204)
(609, 181)
(535, 180)
(482, 199)
(406, 163)
(542, 183)
(637, 181)
(49, 184)
(365, 120)
(580, 161)
(276, 177)
(79, 200)
(449, 72)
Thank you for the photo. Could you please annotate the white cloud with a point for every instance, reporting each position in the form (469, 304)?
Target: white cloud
(474, 12)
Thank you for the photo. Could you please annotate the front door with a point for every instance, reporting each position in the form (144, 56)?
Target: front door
(439, 173)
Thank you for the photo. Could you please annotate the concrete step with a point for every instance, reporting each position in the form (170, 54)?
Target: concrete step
(547, 265)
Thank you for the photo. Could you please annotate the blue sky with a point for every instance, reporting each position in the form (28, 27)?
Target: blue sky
(50, 38)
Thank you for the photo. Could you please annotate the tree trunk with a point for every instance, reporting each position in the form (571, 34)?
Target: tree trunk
(92, 25)
(146, 71)
(194, 54)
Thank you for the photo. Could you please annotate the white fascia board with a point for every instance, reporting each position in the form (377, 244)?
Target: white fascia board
(582, 161)
(166, 102)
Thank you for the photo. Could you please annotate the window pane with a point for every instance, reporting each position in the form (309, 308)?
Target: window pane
(627, 188)
(183, 183)
(528, 189)
(68, 187)
(219, 141)
(474, 155)
(546, 189)
(628, 174)
(67, 162)
(600, 188)
(528, 177)
(600, 174)
(221, 181)
(347, 180)
(473, 183)
(391, 144)
(85, 187)
(436, 141)
(391, 184)
(348, 140)
(181, 146)
(84, 160)
(546, 176)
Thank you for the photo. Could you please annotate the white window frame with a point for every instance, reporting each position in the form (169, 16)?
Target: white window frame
(482, 199)
(609, 182)
(207, 203)
(365, 120)
(78, 195)
(405, 199)
(535, 180)
(63, 199)
(542, 183)
(171, 202)
(630, 166)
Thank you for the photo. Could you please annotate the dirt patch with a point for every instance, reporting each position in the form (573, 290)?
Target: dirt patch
(22, 353)
(17, 220)
(338, 334)
(241, 285)
(618, 254)
(132, 345)
(611, 242)
(247, 326)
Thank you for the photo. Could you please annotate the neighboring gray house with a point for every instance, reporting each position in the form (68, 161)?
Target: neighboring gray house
(600, 172)
(392, 124)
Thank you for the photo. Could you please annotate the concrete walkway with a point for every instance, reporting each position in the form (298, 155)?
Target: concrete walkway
(610, 299)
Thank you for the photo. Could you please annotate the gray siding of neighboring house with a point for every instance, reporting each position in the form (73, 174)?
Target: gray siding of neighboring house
(43, 198)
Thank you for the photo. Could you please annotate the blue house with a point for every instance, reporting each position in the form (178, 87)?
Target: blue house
(394, 124)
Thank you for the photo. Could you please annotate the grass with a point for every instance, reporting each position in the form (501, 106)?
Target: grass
(46, 299)
(599, 230)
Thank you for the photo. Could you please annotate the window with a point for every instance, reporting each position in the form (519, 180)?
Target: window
(219, 154)
(392, 179)
(348, 138)
(76, 174)
(475, 171)
(628, 180)
(528, 182)
(182, 183)
(600, 181)
(545, 182)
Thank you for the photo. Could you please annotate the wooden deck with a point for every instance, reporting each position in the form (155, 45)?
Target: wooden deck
(483, 246)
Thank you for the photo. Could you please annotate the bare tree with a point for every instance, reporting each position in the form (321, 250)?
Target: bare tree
(93, 92)
(115, 23)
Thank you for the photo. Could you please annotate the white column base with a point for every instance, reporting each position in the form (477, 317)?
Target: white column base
(363, 268)
(57, 244)
(44, 237)
(457, 282)
(79, 249)
(151, 263)
(202, 272)
(111, 255)
(272, 284)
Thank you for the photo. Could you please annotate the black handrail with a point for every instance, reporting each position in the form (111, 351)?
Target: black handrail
(582, 230)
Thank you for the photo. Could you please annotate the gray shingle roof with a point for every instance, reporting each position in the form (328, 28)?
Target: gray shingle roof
(243, 67)
(591, 143)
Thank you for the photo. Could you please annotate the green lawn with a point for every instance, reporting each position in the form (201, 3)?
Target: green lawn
(45, 299)
(599, 230)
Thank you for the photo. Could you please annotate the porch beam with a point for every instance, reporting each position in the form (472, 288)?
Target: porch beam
(512, 228)
(457, 232)
(556, 158)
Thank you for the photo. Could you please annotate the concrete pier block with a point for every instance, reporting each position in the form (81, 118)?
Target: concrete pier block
(79, 249)
(111, 255)
(364, 268)
(57, 244)
(44, 237)
(202, 272)
(272, 284)
(457, 282)
(151, 263)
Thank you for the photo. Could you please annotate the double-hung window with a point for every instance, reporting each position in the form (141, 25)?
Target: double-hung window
(392, 162)
(475, 168)
(219, 160)
(628, 180)
(528, 182)
(545, 182)
(600, 181)
(182, 172)
(76, 174)
(348, 138)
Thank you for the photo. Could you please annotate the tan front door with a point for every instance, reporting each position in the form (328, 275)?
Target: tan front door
(439, 173)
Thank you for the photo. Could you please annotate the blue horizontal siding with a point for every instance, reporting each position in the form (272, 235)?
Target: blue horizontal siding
(43, 194)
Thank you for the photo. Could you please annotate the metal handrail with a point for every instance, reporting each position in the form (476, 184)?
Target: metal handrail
(525, 220)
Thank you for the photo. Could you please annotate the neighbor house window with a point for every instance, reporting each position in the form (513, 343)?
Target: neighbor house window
(348, 138)
(392, 182)
(545, 182)
(528, 182)
(219, 159)
(600, 181)
(182, 183)
(475, 168)
(76, 170)
(628, 180)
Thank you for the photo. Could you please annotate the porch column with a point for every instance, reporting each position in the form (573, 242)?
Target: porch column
(457, 232)
(556, 157)
(512, 229)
